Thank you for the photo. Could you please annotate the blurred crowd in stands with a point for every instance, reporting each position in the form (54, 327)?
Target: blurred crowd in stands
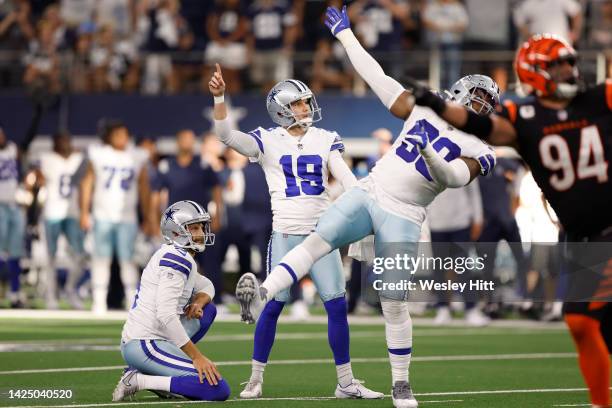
(169, 46)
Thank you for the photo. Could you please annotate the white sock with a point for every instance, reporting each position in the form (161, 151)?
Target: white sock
(298, 262)
(345, 374)
(51, 292)
(129, 278)
(100, 278)
(257, 370)
(153, 382)
(398, 332)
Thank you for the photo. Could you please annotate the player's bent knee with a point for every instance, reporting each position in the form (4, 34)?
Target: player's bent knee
(221, 391)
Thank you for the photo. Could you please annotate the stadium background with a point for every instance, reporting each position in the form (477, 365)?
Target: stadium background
(71, 64)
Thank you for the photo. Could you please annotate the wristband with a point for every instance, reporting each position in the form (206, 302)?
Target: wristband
(219, 99)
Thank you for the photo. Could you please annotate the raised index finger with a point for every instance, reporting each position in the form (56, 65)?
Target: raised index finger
(218, 68)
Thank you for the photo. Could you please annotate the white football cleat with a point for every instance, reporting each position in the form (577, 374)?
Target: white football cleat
(250, 297)
(252, 390)
(402, 395)
(299, 311)
(475, 318)
(443, 316)
(357, 390)
(127, 385)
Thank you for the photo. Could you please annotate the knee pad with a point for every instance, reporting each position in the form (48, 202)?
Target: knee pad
(395, 311)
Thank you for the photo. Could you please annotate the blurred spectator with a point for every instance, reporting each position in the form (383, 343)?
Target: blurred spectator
(61, 34)
(489, 30)
(79, 72)
(257, 212)
(380, 25)
(500, 200)
(186, 63)
(212, 151)
(76, 12)
(539, 226)
(271, 41)
(115, 64)
(455, 219)
(118, 14)
(234, 188)
(560, 17)
(16, 31)
(161, 25)
(446, 21)
(600, 34)
(15, 25)
(42, 72)
(227, 28)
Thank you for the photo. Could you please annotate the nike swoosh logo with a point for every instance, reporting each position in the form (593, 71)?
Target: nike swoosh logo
(354, 394)
(336, 25)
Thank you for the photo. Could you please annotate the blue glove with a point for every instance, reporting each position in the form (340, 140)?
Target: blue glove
(487, 164)
(419, 138)
(337, 21)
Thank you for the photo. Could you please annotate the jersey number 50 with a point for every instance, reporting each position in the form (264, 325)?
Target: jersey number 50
(561, 160)
(438, 143)
(309, 170)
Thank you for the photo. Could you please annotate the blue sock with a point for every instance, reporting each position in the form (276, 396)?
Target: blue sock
(207, 319)
(14, 271)
(266, 330)
(338, 329)
(190, 387)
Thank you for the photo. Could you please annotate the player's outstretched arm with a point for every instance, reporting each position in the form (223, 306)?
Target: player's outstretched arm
(239, 141)
(386, 88)
(495, 129)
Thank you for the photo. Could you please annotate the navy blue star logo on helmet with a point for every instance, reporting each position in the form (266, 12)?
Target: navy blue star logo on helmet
(273, 94)
(169, 213)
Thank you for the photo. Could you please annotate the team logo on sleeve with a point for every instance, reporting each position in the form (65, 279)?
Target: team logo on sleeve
(527, 112)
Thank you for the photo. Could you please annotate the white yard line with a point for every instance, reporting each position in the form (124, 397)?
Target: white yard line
(475, 357)
(354, 320)
(181, 402)
(112, 344)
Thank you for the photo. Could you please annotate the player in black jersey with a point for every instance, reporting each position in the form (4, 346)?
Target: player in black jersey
(563, 131)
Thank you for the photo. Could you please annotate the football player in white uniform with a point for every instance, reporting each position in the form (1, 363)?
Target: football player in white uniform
(58, 171)
(297, 159)
(12, 219)
(390, 203)
(171, 312)
(117, 176)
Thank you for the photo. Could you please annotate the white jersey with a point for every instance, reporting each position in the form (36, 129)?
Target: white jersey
(9, 175)
(62, 197)
(296, 170)
(400, 181)
(167, 284)
(115, 197)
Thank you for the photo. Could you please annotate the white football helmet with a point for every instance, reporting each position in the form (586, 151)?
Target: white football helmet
(465, 92)
(174, 224)
(279, 102)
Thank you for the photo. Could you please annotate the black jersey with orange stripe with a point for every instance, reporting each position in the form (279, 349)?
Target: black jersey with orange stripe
(569, 152)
